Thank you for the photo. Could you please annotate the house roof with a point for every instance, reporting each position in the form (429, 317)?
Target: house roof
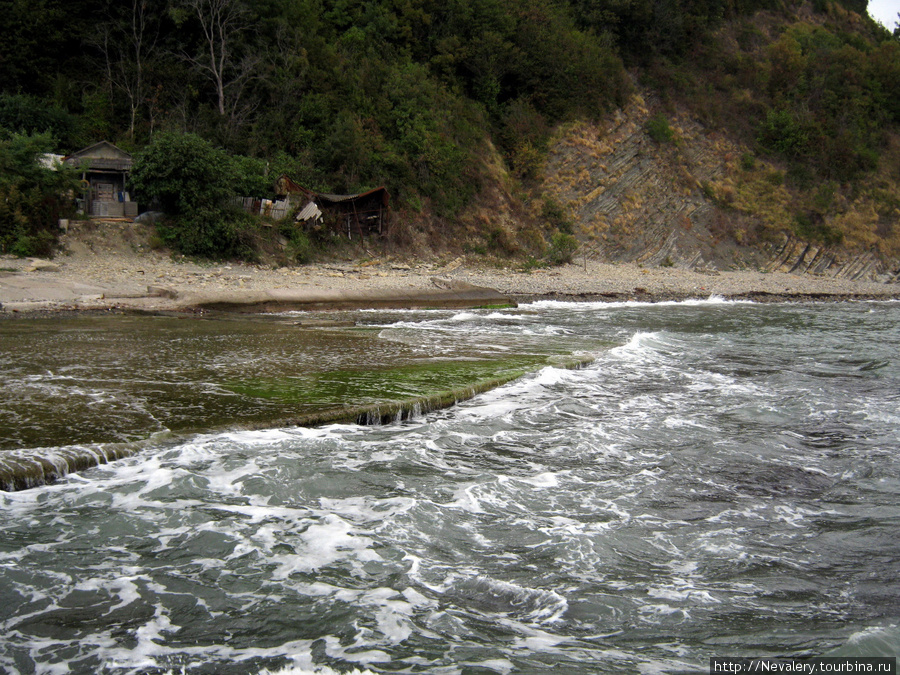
(102, 156)
(337, 199)
(284, 185)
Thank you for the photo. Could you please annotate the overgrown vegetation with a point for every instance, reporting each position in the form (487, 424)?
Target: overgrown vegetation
(817, 96)
(32, 196)
(192, 182)
(347, 95)
(658, 129)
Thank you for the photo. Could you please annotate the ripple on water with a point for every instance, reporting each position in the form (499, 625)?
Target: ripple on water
(698, 491)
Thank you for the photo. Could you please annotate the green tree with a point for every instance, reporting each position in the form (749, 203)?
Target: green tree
(32, 196)
(182, 173)
(193, 181)
(29, 115)
(39, 39)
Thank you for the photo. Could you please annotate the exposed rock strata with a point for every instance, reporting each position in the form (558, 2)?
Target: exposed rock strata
(665, 203)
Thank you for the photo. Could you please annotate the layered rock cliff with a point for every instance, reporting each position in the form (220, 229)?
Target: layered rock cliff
(657, 187)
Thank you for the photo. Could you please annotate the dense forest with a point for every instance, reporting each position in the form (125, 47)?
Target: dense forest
(421, 95)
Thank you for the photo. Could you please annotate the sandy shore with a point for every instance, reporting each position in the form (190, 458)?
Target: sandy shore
(151, 281)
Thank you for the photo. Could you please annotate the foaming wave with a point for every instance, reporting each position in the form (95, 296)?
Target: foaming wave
(320, 670)
(492, 596)
(872, 641)
(636, 342)
(594, 305)
(464, 316)
(550, 376)
(530, 392)
(150, 651)
(711, 300)
(643, 346)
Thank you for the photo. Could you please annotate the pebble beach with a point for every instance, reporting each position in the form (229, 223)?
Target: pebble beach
(111, 267)
(152, 281)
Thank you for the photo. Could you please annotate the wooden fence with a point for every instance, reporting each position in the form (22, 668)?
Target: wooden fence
(275, 209)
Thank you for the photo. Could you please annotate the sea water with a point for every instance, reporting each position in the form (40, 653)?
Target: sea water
(724, 480)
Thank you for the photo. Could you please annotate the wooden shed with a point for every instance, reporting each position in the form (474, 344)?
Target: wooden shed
(104, 174)
(354, 215)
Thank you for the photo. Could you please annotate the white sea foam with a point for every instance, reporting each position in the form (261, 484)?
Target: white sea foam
(465, 499)
(366, 510)
(496, 597)
(519, 394)
(512, 531)
(502, 666)
(464, 316)
(601, 307)
(352, 653)
(534, 639)
(507, 315)
(331, 540)
(550, 376)
(125, 589)
(662, 613)
(314, 670)
(416, 599)
(682, 423)
(649, 347)
(682, 594)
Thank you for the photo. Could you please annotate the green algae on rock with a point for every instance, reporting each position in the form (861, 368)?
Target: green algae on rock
(370, 397)
(81, 391)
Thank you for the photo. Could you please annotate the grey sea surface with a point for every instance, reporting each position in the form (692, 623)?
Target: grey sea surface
(724, 480)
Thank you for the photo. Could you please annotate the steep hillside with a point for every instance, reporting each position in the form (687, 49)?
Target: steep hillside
(670, 191)
(636, 198)
(774, 143)
(702, 133)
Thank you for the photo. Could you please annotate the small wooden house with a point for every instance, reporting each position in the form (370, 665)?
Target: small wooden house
(104, 174)
(354, 215)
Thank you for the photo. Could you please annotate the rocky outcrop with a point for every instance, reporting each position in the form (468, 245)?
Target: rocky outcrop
(678, 197)
(23, 469)
(29, 468)
(641, 200)
(802, 257)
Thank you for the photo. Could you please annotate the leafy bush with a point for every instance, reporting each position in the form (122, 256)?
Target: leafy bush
(523, 136)
(784, 134)
(300, 248)
(32, 197)
(814, 228)
(209, 233)
(249, 177)
(183, 174)
(192, 182)
(658, 129)
(562, 248)
(556, 217)
(500, 241)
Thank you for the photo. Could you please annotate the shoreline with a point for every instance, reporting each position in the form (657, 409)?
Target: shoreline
(92, 285)
(148, 281)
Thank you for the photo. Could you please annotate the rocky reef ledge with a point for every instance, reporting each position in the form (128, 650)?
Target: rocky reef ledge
(29, 468)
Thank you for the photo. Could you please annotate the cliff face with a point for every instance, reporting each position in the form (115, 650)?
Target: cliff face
(658, 188)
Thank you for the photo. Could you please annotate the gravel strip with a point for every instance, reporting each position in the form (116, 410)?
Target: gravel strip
(148, 280)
